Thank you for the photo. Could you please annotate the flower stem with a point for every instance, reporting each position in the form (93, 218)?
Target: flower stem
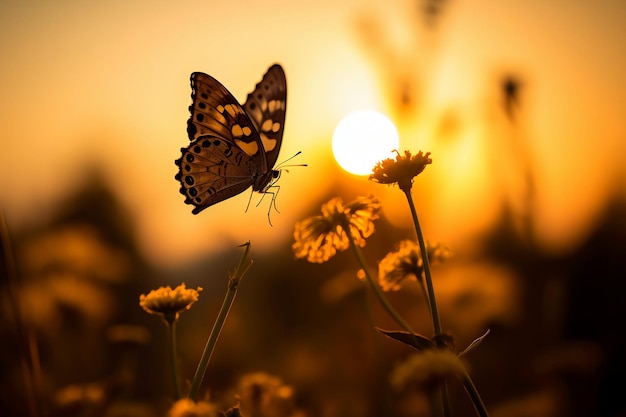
(379, 293)
(430, 290)
(432, 302)
(173, 354)
(471, 390)
(229, 298)
(445, 400)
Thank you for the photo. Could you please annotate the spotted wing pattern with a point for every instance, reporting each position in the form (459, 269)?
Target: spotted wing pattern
(266, 107)
(231, 148)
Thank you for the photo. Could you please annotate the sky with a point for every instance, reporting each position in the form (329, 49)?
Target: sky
(106, 84)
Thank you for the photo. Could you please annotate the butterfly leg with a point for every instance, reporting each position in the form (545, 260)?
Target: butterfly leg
(249, 200)
(272, 202)
(274, 196)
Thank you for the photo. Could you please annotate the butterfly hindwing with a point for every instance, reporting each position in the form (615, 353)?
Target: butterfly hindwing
(228, 152)
(212, 170)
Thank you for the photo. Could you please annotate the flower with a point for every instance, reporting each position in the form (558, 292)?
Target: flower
(169, 302)
(264, 395)
(318, 238)
(402, 170)
(427, 368)
(188, 408)
(406, 261)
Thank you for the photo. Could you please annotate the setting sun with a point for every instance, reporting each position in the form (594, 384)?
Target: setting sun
(363, 138)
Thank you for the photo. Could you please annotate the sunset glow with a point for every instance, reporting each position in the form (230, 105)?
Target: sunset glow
(363, 138)
(520, 207)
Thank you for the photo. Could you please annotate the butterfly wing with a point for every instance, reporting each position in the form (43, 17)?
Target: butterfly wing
(266, 106)
(211, 170)
(227, 152)
(223, 158)
(216, 112)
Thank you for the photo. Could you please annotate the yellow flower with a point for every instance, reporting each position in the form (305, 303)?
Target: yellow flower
(189, 408)
(168, 302)
(407, 262)
(401, 170)
(427, 368)
(318, 238)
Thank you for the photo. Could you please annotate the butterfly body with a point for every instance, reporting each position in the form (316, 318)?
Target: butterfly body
(232, 147)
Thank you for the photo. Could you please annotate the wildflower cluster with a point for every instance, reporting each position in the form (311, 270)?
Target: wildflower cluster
(340, 226)
(317, 239)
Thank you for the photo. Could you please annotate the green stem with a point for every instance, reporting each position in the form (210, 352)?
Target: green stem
(471, 390)
(172, 335)
(229, 298)
(379, 293)
(428, 277)
(211, 342)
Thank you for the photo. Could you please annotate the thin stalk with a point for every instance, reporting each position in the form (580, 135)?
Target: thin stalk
(430, 290)
(173, 354)
(428, 277)
(471, 390)
(379, 293)
(445, 400)
(211, 342)
(229, 298)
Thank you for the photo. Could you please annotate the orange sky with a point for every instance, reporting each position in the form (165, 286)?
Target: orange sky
(107, 83)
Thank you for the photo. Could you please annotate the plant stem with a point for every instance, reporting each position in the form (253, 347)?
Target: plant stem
(430, 291)
(471, 390)
(379, 293)
(428, 277)
(172, 335)
(229, 298)
(445, 400)
(211, 342)
(467, 381)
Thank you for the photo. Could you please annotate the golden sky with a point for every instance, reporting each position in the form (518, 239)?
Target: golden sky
(107, 83)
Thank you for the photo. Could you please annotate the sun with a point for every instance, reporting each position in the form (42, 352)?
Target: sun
(363, 138)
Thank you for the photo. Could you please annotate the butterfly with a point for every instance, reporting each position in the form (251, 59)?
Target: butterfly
(232, 147)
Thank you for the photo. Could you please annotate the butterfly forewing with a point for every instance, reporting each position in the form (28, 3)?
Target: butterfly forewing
(266, 106)
(231, 148)
(215, 111)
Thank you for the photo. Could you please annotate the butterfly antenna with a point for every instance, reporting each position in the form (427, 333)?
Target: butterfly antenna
(281, 165)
